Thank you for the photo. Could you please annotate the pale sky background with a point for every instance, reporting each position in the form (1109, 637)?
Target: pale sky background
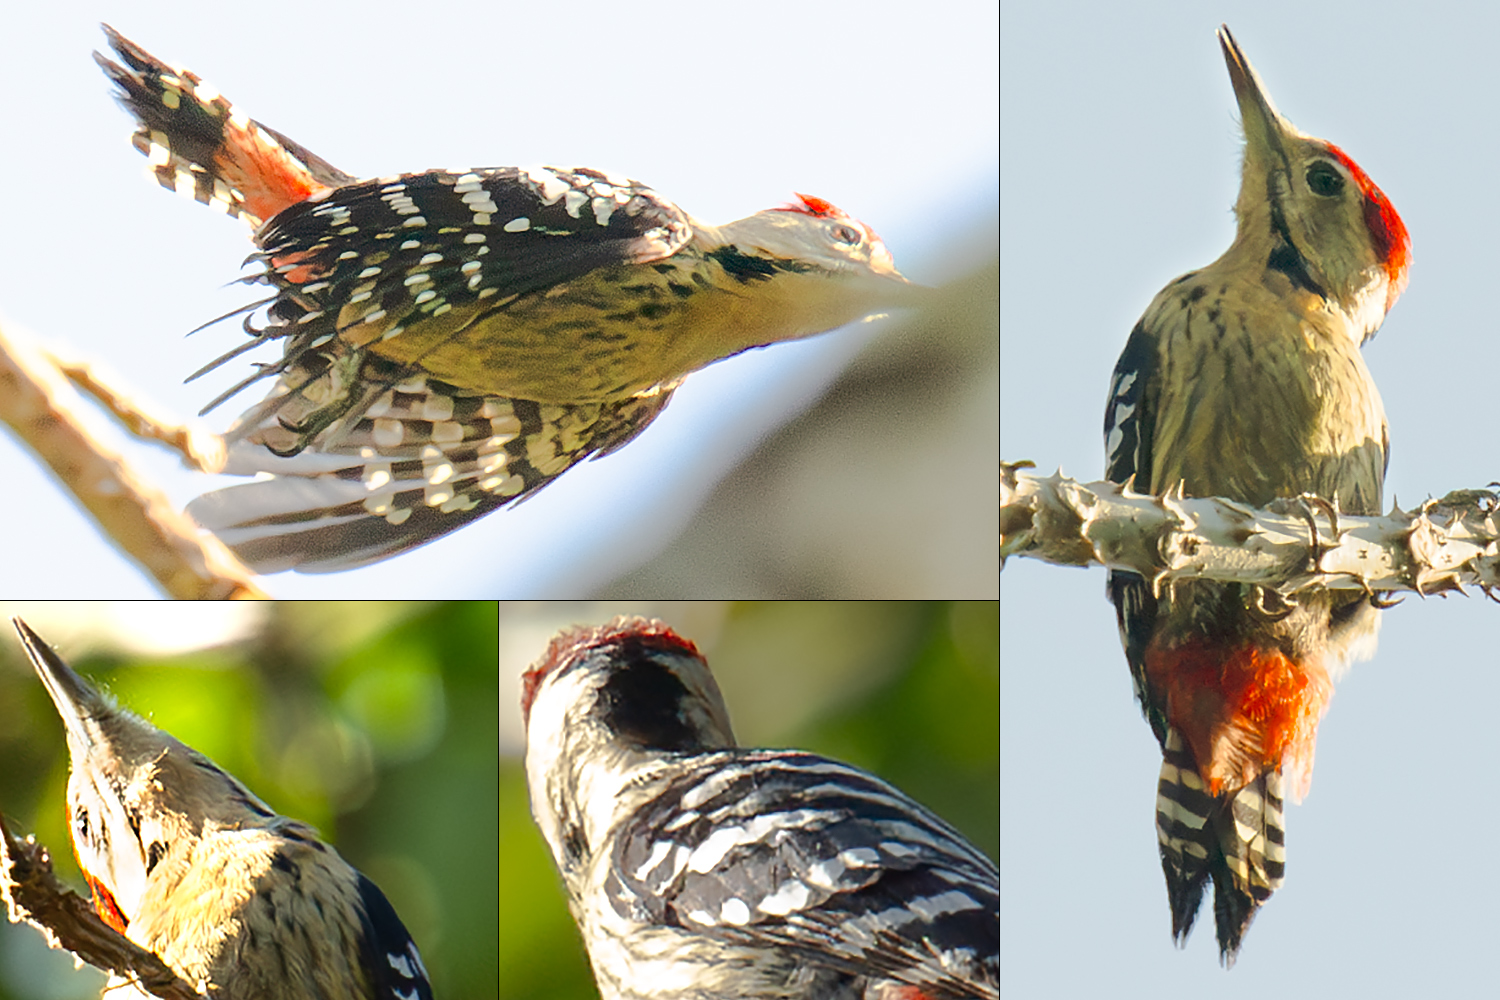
(886, 109)
(1119, 165)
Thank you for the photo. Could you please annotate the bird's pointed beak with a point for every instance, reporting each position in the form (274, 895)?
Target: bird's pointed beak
(75, 699)
(896, 290)
(900, 292)
(1264, 127)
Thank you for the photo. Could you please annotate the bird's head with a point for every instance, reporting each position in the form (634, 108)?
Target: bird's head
(602, 702)
(135, 793)
(1332, 229)
(813, 235)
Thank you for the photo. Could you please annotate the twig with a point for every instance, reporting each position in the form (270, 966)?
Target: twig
(198, 447)
(39, 405)
(33, 895)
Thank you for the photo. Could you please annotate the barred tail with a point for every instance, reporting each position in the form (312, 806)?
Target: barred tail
(202, 147)
(1236, 838)
(1187, 842)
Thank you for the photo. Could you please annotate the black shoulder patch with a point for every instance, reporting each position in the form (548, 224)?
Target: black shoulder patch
(1289, 262)
(1286, 258)
(742, 267)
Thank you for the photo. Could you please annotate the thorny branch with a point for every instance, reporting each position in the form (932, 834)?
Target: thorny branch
(33, 895)
(1294, 544)
(44, 411)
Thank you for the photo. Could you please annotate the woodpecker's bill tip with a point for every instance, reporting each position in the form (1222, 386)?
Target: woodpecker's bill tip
(28, 637)
(1264, 126)
(74, 698)
(49, 666)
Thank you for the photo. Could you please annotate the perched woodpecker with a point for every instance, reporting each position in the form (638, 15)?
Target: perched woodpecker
(1244, 380)
(454, 340)
(699, 870)
(184, 861)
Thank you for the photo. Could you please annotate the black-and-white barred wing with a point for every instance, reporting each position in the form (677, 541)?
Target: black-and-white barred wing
(395, 965)
(423, 460)
(520, 230)
(792, 849)
(1129, 423)
(1129, 429)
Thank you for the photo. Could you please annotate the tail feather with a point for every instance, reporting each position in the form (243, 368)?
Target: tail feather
(201, 146)
(1237, 838)
(1252, 843)
(1187, 842)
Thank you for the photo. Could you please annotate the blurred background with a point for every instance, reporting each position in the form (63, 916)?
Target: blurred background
(1120, 157)
(906, 690)
(859, 463)
(374, 722)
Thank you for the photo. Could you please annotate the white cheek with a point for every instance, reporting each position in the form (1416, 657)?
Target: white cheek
(1368, 310)
(601, 780)
(113, 854)
(545, 750)
(573, 768)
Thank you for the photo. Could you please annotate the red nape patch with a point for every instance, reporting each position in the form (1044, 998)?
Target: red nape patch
(1392, 244)
(569, 645)
(104, 904)
(1242, 710)
(815, 207)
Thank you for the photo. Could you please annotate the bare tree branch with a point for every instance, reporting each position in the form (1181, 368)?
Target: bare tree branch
(198, 448)
(39, 405)
(1291, 545)
(33, 895)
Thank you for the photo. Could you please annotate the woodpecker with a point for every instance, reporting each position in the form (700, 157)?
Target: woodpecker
(696, 869)
(1245, 380)
(454, 340)
(186, 862)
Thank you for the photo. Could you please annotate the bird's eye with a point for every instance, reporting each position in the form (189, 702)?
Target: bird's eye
(1325, 180)
(846, 234)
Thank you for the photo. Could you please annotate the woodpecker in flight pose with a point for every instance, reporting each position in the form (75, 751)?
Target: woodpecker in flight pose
(454, 340)
(701, 871)
(1244, 380)
(184, 861)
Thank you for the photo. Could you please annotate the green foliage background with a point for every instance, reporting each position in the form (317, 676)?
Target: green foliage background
(375, 722)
